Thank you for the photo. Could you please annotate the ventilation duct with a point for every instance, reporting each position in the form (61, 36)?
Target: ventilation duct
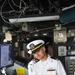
(67, 15)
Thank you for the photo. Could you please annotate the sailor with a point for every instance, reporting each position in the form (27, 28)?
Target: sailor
(31, 63)
(46, 65)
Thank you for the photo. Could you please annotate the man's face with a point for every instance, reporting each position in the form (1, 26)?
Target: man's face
(40, 53)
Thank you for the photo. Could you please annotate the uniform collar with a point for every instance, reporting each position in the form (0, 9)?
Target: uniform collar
(48, 59)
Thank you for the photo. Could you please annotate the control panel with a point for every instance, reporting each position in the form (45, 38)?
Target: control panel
(70, 65)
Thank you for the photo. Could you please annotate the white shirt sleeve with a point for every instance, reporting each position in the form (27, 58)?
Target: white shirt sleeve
(60, 69)
(34, 72)
(30, 67)
(29, 70)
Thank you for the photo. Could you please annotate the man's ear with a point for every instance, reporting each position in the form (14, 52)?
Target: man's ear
(44, 48)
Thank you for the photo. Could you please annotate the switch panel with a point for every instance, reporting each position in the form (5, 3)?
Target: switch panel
(62, 51)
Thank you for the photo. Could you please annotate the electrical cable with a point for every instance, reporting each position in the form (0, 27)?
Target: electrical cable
(54, 6)
(10, 5)
(20, 14)
(1, 13)
(7, 18)
(15, 4)
(35, 6)
(18, 5)
(43, 29)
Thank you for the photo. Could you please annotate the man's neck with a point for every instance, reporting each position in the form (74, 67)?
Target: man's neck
(44, 58)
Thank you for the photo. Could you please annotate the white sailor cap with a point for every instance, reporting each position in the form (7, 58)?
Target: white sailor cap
(33, 46)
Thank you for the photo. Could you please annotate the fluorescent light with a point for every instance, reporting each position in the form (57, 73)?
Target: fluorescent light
(44, 34)
(35, 34)
(34, 19)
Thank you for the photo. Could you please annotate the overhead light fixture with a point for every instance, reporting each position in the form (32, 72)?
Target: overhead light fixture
(34, 19)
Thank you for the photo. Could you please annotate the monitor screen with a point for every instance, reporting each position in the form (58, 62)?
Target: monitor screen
(6, 55)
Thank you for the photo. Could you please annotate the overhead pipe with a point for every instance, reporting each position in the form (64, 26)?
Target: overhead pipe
(67, 15)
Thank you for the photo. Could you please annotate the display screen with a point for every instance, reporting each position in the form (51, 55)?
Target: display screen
(6, 55)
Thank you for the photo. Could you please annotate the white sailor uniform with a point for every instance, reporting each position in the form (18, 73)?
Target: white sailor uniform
(30, 66)
(49, 67)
